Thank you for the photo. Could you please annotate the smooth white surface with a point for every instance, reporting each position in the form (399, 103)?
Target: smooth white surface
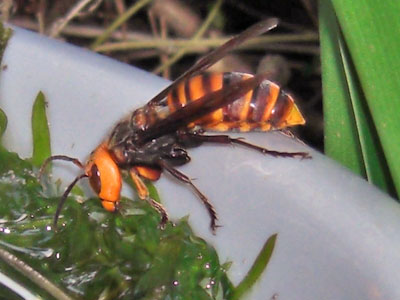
(338, 236)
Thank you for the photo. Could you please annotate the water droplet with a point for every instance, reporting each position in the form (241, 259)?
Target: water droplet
(210, 284)
(48, 227)
(175, 282)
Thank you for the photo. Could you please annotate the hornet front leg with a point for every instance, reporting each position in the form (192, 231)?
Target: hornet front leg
(144, 194)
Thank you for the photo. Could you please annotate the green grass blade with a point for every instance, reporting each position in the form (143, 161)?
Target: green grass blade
(341, 137)
(256, 269)
(40, 131)
(371, 30)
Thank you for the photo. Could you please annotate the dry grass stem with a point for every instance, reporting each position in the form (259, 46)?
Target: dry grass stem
(59, 24)
(121, 9)
(119, 21)
(199, 44)
(200, 32)
(178, 16)
(84, 31)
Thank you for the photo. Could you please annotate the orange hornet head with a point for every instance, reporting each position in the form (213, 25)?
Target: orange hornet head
(104, 177)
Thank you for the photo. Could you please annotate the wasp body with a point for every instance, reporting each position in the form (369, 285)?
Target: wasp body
(155, 137)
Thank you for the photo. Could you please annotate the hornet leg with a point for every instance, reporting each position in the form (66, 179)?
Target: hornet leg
(226, 139)
(143, 193)
(182, 177)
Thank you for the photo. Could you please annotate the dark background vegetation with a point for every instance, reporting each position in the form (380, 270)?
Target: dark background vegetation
(295, 65)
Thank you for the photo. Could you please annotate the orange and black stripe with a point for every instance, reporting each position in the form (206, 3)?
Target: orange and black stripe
(263, 108)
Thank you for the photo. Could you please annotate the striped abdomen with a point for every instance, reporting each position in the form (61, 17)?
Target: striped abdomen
(264, 108)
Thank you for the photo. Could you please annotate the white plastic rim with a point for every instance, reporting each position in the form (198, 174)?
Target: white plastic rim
(338, 236)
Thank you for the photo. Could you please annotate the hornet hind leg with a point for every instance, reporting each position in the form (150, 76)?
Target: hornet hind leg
(226, 139)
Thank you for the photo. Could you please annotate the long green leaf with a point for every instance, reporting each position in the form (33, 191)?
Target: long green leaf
(374, 161)
(371, 29)
(341, 137)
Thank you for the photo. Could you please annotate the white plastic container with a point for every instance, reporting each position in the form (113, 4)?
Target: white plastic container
(338, 236)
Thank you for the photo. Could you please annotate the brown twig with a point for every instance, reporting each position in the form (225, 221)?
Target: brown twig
(74, 12)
